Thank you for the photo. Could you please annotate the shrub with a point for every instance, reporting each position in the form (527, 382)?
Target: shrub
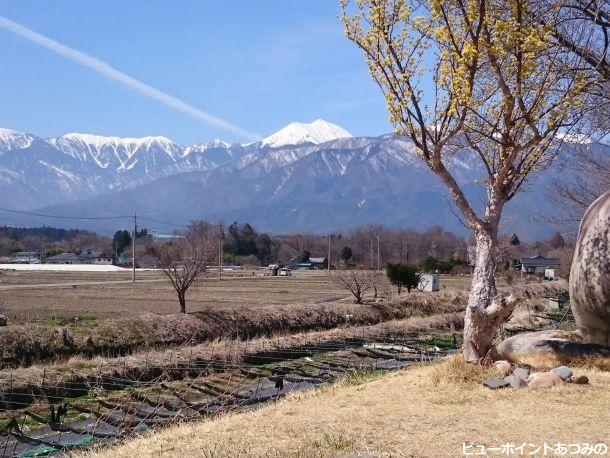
(402, 275)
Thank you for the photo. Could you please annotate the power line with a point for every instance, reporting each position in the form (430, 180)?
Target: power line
(92, 218)
(144, 218)
(42, 215)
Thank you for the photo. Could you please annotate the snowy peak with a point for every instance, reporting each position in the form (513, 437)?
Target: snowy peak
(100, 142)
(11, 139)
(113, 152)
(296, 133)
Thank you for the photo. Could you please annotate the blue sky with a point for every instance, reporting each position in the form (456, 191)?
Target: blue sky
(256, 64)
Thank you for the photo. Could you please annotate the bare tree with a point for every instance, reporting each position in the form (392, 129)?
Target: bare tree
(182, 261)
(357, 282)
(582, 27)
(591, 178)
(500, 92)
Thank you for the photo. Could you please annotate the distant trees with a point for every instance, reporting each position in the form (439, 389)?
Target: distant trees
(121, 240)
(303, 256)
(183, 261)
(346, 254)
(433, 264)
(357, 282)
(242, 241)
(402, 275)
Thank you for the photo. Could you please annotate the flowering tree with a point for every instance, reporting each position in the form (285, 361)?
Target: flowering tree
(475, 77)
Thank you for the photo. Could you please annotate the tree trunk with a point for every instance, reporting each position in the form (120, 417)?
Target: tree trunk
(182, 300)
(487, 309)
(399, 289)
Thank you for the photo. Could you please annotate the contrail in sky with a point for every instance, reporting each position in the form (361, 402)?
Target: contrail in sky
(110, 72)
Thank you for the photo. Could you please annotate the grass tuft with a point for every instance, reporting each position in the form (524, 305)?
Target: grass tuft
(359, 376)
(455, 370)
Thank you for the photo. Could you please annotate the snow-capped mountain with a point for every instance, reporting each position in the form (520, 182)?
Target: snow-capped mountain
(313, 184)
(11, 139)
(297, 133)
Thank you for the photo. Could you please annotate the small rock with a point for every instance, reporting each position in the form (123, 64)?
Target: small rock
(515, 381)
(496, 383)
(533, 375)
(522, 373)
(580, 380)
(3, 320)
(544, 380)
(564, 372)
(502, 368)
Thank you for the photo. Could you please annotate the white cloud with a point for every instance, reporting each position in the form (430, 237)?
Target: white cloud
(110, 72)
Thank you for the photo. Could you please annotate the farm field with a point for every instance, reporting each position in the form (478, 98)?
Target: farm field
(37, 296)
(130, 361)
(69, 294)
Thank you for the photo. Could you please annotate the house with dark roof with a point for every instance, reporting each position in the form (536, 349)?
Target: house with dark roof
(66, 258)
(96, 257)
(86, 257)
(537, 264)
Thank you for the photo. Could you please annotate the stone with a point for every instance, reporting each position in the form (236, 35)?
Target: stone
(515, 381)
(533, 375)
(590, 273)
(3, 320)
(496, 383)
(580, 380)
(502, 368)
(544, 380)
(522, 373)
(558, 345)
(564, 372)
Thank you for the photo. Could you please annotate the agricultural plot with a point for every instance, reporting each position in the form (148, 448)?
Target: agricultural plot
(52, 297)
(115, 407)
(39, 297)
(90, 358)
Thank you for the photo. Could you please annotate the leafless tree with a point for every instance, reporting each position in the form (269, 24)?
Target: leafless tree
(357, 282)
(582, 27)
(590, 179)
(183, 261)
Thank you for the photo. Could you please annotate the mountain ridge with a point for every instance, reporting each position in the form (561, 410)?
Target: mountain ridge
(330, 186)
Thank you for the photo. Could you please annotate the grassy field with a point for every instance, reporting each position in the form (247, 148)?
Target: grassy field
(429, 411)
(37, 297)
(68, 294)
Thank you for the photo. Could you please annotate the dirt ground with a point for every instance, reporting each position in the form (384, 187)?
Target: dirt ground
(401, 414)
(39, 297)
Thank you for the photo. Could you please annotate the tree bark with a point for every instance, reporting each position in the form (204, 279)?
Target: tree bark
(487, 309)
(182, 300)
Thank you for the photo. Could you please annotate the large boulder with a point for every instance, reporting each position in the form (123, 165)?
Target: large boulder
(590, 273)
(556, 347)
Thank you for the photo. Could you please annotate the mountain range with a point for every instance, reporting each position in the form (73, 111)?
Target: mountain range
(305, 177)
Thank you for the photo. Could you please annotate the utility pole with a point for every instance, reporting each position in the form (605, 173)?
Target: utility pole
(378, 256)
(328, 259)
(42, 250)
(220, 250)
(133, 248)
(371, 249)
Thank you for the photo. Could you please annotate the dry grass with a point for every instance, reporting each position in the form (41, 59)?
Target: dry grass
(455, 370)
(413, 413)
(550, 360)
(147, 365)
(154, 294)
